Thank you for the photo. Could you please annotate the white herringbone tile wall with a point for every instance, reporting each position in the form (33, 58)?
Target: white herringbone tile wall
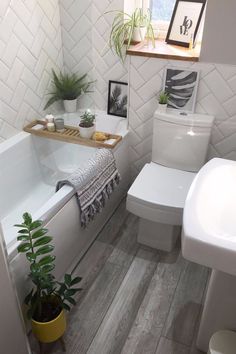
(86, 30)
(85, 33)
(216, 95)
(30, 46)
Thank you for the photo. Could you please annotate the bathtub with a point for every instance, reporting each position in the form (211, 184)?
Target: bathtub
(30, 169)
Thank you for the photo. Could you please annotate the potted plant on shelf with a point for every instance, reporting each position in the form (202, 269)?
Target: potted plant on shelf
(127, 29)
(68, 88)
(48, 298)
(87, 126)
(163, 101)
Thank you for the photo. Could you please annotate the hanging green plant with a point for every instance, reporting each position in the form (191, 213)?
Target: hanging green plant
(128, 28)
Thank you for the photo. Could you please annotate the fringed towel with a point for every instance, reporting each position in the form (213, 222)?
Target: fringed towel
(93, 184)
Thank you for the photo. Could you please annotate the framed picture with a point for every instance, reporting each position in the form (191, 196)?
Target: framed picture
(185, 22)
(118, 99)
(181, 85)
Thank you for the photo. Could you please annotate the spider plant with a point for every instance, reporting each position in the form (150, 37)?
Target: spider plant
(67, 87)
(123, 27)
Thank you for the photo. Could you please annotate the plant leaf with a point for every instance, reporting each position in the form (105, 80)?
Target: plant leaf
(71, 292)
(76, 280)
(66, 307)
(71, 300)
(67, 279)
(24, 247)
(34, 225)
(27, 219)
(46, 260)
(31, 256)
(39, 233)
(42, 241)
(48, 268)
(23, 231)
(23, 238)
(44, 250)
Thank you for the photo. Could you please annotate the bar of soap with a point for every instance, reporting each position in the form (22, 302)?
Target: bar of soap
(110, 141)
(38, 127)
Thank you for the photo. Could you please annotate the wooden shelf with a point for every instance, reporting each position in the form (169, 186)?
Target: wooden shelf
(72, 135)
(165, 51)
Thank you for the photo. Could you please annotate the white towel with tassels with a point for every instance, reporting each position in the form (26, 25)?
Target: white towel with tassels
(93, 184)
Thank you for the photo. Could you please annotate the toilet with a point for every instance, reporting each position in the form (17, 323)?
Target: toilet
(157, 196)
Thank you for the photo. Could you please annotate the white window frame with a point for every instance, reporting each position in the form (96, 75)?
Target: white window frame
(160, 27)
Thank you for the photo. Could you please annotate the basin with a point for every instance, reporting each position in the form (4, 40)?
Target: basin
(209, 239)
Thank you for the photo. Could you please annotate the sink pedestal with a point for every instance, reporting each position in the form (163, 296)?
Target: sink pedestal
(219, 310)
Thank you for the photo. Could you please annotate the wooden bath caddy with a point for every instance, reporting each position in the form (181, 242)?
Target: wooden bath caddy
(72, 135)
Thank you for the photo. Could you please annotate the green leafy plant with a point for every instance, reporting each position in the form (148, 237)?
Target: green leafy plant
(163, 97)
(67, 87)
(123, 28)
(87, 119)
(47, 297)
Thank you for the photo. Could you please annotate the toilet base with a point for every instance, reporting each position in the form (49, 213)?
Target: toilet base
(156, 235)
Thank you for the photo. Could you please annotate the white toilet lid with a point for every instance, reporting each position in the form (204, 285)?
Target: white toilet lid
(158, 185)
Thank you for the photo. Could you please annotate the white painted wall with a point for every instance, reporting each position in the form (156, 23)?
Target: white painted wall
(218, 42)
(30, 46)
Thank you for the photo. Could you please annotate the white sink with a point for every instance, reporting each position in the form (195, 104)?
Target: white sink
(209, 225)
(209, 238)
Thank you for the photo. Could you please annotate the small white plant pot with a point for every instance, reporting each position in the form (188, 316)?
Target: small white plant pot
(87, 133)
(162, 107)
(70, 106)
(139, 34)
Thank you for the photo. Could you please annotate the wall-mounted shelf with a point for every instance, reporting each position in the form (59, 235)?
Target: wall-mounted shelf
(72, 135)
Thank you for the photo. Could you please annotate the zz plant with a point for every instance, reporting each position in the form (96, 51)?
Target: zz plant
(47, 297)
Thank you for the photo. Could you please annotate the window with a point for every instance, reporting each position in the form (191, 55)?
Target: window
(162, 9)
(161, 15)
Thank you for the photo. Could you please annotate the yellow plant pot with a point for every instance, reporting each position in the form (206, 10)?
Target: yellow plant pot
(47, 332)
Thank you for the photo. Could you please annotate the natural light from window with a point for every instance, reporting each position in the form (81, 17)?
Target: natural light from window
(162, 9)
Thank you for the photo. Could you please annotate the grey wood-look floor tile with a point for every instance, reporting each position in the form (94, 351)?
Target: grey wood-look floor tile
(91, 265)
(114, 329)
(167, 346)
(87, 317)
(146, 331)
(111, 230)
(186, 306)
(127, 245)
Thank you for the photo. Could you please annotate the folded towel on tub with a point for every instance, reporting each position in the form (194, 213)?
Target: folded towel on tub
(93, 184)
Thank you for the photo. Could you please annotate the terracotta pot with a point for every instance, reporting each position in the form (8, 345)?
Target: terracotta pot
(87, 133)
(47, 332)
(70, 105)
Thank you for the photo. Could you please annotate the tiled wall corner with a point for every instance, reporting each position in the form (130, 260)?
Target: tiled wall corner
(30, 45)
(216, 95)
(76, 26)
(85, 33)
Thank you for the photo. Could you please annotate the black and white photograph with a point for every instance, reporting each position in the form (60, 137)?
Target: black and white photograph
(182, 86)
(185, 22)
(118, 99)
